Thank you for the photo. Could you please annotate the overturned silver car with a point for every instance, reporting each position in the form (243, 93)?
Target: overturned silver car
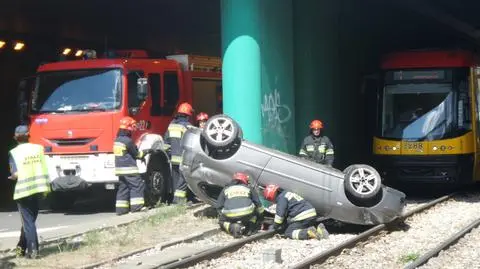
(356, 195)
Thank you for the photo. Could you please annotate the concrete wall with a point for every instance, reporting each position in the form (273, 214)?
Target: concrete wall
(333, 50)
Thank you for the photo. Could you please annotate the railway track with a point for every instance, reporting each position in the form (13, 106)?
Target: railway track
(362, 237)
(203, 255)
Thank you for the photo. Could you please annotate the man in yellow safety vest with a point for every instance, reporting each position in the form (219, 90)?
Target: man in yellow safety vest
(28, 167)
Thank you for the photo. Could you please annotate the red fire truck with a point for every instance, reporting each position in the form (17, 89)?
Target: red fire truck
(74, 108)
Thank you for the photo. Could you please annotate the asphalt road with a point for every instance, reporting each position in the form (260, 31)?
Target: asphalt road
(83, 211)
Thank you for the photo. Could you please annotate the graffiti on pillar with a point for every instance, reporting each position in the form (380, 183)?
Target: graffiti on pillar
(273, 111)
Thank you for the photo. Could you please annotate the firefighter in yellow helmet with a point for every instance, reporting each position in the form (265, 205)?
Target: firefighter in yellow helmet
(28, 168)
(130, 193)
(173, 137)
(316, 147)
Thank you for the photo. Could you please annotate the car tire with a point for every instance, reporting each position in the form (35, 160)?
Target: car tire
(362, 181)
(156, 188)
(221, 131)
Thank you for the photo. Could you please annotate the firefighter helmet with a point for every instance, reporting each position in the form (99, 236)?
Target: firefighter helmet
(185, 108)
(127, 123)
(270, 192)
(316, 124)
(241, 177)
(202, 116)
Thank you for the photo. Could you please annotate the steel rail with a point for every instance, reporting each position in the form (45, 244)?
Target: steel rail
(444, 245)
(323, 256)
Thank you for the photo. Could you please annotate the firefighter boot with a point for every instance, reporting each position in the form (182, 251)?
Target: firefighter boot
(322, 231)
(237, 230)
(312, 233)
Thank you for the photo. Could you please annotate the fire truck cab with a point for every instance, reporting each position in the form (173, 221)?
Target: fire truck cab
(74, 108)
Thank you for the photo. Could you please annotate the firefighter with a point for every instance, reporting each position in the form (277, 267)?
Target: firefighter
(130, 193)
(294, 212)
(28, 168)
(317, 148)
(239, 208)
(173, 137)
(202, 118)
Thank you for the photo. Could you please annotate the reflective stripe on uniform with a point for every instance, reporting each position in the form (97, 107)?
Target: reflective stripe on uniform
(31, 186)
(239, 212)
(302, 152)
(180, 193)
(329, 152)
(122, 204)
(237, 191)
(310, 148)
(296, 234)
(305, 215)
(119, 148)
(137, 201)
(126, 170)
(278, 219)
(321, 148)
(176, 159)
(253, 219)
(176, 130)
(226, 225)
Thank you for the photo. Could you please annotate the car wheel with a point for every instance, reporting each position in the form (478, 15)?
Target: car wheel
(221, 131)
(362, 181)
(155, 188)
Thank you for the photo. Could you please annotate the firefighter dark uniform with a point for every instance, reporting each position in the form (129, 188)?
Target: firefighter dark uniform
(317, 148)
(130, 193)
(294, 212)
(29, 168)
(173, 137)
(240, 210)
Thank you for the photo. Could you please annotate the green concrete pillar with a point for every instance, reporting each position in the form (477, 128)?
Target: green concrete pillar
(258, 90)
(242, 65)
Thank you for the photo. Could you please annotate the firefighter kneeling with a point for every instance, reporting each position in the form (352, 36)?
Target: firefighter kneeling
(300, 215)
(131, 186)
(240, 210)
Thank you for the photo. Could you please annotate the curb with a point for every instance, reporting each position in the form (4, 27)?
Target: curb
(64, 238)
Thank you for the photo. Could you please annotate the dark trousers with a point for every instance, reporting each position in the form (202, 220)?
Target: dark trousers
(130, 194)
(28, 208)
(298, 229)
(251, 222)
(180, 194)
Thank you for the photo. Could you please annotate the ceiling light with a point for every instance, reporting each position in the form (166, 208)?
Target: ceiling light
(66, 51)
(19, 46)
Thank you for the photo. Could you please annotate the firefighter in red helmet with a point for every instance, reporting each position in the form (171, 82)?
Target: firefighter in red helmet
(130, 193)
(239, 207)
(294, 212)
(173, 137)
(316, 147)
(202, 118)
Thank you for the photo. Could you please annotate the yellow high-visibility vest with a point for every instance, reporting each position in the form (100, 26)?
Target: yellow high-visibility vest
(32, 170)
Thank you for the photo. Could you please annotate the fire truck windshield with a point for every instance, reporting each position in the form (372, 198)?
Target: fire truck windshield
(77, 91)
(417, 111)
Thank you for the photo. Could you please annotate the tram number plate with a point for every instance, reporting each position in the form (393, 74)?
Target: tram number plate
(413, 146)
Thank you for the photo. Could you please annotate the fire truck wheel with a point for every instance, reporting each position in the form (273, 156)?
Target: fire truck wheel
(221, 131)
(362, 182)
(61, 201)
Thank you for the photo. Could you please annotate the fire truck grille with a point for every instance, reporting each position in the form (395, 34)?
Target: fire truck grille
(71, 142)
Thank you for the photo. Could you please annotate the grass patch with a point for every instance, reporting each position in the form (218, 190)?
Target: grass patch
(410, 257)
(95, 246)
